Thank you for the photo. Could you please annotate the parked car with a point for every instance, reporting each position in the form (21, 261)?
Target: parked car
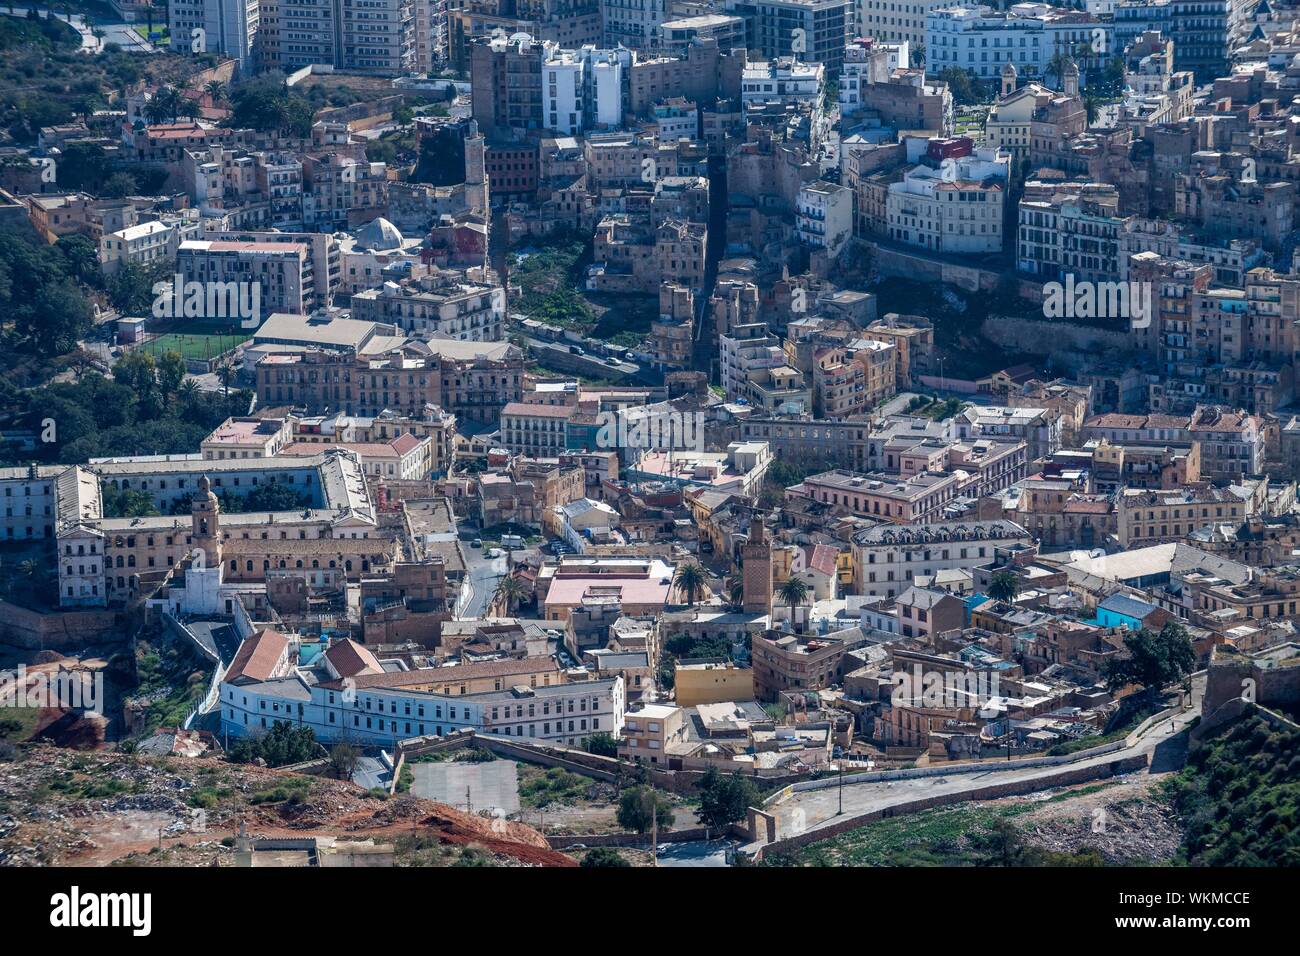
(476, 543)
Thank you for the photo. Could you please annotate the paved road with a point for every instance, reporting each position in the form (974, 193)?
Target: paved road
(810, 808)
(699, 853)
(123, 34)
(484, 573)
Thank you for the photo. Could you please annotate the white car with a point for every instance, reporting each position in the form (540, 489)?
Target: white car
(494, 552)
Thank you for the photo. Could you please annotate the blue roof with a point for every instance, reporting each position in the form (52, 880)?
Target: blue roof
(1127, 606)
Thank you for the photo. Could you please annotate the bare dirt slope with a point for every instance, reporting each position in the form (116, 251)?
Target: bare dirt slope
(77, 808)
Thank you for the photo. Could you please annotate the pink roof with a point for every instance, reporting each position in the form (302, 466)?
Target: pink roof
(823, 558)
(635, 587)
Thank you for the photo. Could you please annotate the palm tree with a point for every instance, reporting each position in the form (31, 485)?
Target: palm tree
(690, 581)
(217, 90)
(1091, 107)
(510, 593)
(1004, 586)
(736, 589)
(793, 592)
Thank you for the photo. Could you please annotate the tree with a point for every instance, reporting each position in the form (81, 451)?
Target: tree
(736, 589)
(343, 760)
(130, 287)
(510, 592)
(81, 260)
(690, 581)
(1152, 660)
(118, 186)
(1004, 586)
(792, 593)
(126, 502)
(965, 91)
(725, 800)
(604, 856)
(273, 496)
(602, 745)
(638, 807)
(267, 105)
(1092, 107)
(171, 372)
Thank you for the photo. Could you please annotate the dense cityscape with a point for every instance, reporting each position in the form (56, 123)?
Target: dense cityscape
(753, 434)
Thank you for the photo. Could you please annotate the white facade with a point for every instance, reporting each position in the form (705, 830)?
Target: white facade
(634, 23)
(781, 81)
(145, 244)
(982, 41)
(824, 215)
(381, 716)
(858, 69)
(888, 557)
(957, 208)
(229, 27)
(896, 20)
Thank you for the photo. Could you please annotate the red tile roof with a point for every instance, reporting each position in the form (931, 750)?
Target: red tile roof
(258, 656)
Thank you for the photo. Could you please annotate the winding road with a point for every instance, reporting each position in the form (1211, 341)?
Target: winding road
(809, 809)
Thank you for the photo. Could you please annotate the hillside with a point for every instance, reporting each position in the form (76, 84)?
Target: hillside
(1238, 798)
(68, 808)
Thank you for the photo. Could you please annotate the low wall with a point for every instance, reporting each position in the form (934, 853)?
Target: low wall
(915, 265)
(943, 770)
(689, 835)
(58, 630)
(1044, 336)
(991, 792)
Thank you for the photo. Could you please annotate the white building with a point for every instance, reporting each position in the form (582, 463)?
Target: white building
(229, 27)
(782, 81)
(887, 557)
(896, 21)
(145, 244)
(28, 502)
(981, 40)
(351, 696)
(862, 68)
(636, 24)
(957, 208)
(824, 215)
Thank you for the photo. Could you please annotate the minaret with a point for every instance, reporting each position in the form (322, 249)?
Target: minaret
(1070, 79)
(1008, 78)
(756, 569)
(205, 518)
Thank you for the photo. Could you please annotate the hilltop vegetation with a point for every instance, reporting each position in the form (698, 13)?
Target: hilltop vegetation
(1237, 798)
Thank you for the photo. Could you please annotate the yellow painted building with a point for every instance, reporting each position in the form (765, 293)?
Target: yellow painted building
(712, 683)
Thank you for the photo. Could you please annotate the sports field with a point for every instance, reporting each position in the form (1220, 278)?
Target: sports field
(193, 346)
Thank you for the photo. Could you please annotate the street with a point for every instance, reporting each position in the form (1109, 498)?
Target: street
(806, 810)
(484, 573)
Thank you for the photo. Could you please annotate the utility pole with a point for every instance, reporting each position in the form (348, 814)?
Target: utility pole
(840, 812)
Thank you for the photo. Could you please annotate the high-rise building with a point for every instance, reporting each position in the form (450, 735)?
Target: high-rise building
(363, 36)
(814, 31)
(228, 27)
